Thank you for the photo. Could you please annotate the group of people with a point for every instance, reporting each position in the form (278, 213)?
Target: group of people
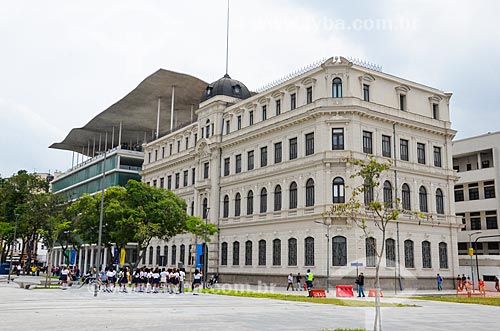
(147, 280)
(309, 278)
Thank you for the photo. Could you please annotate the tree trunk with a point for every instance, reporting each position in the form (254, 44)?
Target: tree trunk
(378, 313)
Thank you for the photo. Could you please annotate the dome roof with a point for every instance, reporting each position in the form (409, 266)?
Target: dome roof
(226, 86)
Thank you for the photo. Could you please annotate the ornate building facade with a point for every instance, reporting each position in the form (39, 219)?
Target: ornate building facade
(266, 167)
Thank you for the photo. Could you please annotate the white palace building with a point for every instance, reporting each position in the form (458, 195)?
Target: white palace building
(265, 167)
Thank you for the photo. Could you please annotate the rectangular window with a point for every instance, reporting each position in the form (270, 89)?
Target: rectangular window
(403, 144)
(195, 138)
(178, 146)
(156, 155)
(386, 146)
(238, 163)
(239, 122)
(193, 176)
(154, 182)
(149, 157)
(366, 92)
(177, 180)
(310, 143)
(293, 148)
(187, 142)
(170, 149)
(475, 223)
(206, 167)
(264, 113)
(263, 156)
(421, 153)
(402, 102)
(309, 95)
(278, 107)
(277, 152)
(437, 156)
(293, 101)
(226, 167)
(473, 191)
(485, 164)
(459, 193)
(228, 127)
(186, 177)
(435, 111)
(250, 160)
(337, 139)
(169, 182)
(367, 142)
(162, 182)
(491, 222)
(489, 190)
(163, 152)
(251, 117)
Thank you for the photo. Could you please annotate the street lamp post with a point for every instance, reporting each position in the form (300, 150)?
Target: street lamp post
(12, 249)
(205, 250)
(471, 263)
(101, 217)
(328, 223)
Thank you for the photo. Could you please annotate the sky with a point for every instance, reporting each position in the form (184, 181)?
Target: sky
(63, 62)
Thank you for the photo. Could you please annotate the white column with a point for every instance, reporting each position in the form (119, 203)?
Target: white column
(105, 252)
(80, 259)
(86, 262)
(92, 257)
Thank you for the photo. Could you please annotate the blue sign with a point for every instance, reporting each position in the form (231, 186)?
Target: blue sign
(357, 264)
(199, 253)
(116, 255)
(72, 258)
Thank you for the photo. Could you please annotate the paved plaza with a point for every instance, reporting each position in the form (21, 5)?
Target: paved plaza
(53, 309)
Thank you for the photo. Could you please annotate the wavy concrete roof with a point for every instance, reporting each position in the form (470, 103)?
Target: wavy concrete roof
(138, 110)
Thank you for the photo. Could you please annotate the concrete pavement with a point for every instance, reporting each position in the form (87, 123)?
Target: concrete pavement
(77, 308)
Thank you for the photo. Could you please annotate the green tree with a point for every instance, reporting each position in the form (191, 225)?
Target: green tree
(368, 211)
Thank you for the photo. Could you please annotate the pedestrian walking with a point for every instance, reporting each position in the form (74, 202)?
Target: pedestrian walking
(497, 285)
(360, 281)
(468, 287)
(309, 280)
(464, 282)
(459, 283)
(439, 280)
(298, 279)
(290, 282)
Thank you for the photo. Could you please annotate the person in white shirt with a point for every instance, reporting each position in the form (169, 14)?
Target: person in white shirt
(182, 276)
(65, 274)
(110, 281)
(290, 282)
(196, 281)
(163, 280)
(156, 280)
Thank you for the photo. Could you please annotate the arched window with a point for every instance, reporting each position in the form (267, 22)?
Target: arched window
(309, 251)
(248, 252)
(276, 252)
(250, 203)
(223, 254)
(192, 208)
(150, 260)
(158, 255)
(439, 202)
(409, 254)
(190, 255)
(236, 253)
(292, 252)
(370, 244)
(443, 255)
(262, 252)
(338, 190)
(174, 255)
(263, 200)
(205, 208)
(165, 256)
(337, 88)
(226, 207)
(388, 194)
(310, 192)
(237, 205)
(339, 248)
(277, 198)
(182, 256)
(390, 252)
(368, 192)
(293, 195)
(422, 195)
(426, 255)
(405, 194)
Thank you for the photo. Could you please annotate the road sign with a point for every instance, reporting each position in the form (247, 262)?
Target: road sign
(356, 264)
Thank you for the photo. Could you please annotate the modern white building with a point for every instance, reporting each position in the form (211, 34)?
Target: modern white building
(476, 160)
(265, 168)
